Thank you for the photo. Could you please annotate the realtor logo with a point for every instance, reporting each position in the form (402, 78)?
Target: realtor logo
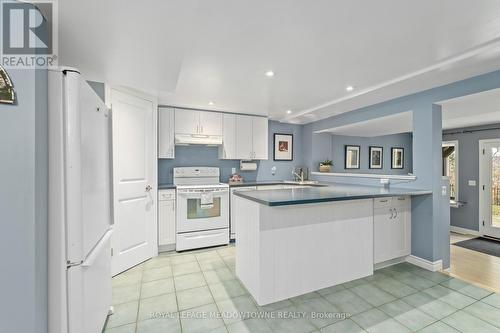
(28, 34)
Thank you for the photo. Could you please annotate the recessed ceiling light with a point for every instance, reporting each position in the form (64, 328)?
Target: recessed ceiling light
(349, 88)
(269, 73)
(288, 111)
(211, 103)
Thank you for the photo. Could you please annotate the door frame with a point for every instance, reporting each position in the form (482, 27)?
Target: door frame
(154, 182)
(482, 177)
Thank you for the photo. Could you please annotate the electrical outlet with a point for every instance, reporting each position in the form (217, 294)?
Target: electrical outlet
(233, 171)
(273, 170)
(472, 183)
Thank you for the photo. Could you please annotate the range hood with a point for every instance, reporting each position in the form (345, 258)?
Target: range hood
(198, 139)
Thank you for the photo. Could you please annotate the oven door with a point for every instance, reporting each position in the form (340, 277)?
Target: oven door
(192, 215)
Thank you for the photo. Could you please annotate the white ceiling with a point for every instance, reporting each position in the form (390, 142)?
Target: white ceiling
(190, 52)
(472, 110)
(393, 124)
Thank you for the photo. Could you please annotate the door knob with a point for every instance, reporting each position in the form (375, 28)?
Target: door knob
(149, 188)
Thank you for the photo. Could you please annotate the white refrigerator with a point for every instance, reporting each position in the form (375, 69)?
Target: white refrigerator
(80, 209)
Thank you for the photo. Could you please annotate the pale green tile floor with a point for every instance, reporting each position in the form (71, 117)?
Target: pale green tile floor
(198, 292)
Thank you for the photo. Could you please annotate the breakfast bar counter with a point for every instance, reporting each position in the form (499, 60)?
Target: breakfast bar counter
(291, 242)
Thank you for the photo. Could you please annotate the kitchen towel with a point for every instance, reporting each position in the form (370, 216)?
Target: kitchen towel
(207, 200)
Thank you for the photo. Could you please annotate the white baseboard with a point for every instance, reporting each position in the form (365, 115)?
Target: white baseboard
(464, 231)
(166, 248)
(388, 263)
(425, 264)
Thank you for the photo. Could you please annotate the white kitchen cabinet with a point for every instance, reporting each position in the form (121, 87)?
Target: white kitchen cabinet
(259, 138)
(186, 121)
(210, 123)
(194, 122)
(244, 143)
(166, 131)
(227, 151)
(392, 228)
(251, 138)
(166, 220)
(232, 220)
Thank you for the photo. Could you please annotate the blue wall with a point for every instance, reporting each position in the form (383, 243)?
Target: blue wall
(337, 154)
(468, 169)
(208, 156)
(427, 229)
(23, 205)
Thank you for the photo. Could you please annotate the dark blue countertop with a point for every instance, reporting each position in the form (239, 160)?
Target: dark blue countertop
(333, 192)
(166, 186)
(257, 183)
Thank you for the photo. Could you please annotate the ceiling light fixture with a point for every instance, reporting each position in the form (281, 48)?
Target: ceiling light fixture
(211, 103)
(349, 88)
(269, 73)
(288, 111)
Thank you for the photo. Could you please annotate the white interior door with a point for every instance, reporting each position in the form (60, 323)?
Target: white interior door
(490, 188)
(134, 176)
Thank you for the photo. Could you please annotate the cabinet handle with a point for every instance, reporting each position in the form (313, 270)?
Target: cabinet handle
(401, 199)
(392, 214)
(396, 211)
(384, 200)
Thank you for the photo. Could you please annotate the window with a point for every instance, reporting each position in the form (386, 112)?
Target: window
(450, 166)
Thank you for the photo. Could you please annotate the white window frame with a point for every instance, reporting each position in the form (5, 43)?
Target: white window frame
(457, 172)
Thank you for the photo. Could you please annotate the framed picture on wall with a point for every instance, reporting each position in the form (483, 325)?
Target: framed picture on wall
(352, 157)
(283, 147)
(398, 158)
(376, 157)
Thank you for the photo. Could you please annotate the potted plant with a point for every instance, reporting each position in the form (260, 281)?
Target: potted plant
(325, 166)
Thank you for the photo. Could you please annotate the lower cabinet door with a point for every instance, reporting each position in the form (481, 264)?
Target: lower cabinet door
(391, 232)
(382, 234)
(401, 233)
(166, 222)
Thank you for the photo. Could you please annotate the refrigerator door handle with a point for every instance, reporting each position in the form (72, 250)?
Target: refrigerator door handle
(95, 252)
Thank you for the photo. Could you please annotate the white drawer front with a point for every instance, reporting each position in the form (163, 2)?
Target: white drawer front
(200, 239)
(166, 195)
(382, 202)
(400, 201)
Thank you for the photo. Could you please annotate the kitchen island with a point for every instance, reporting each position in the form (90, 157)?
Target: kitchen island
(294, 241)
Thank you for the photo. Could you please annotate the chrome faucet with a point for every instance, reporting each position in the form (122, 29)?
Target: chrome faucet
(298, 176)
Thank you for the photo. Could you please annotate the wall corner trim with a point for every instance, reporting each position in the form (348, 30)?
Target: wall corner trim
(425, 264)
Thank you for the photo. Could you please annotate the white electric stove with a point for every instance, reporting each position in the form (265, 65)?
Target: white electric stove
(202, 208)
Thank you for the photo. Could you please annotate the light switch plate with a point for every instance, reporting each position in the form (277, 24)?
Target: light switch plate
(233, 171)
(444, 191)
(472, 183)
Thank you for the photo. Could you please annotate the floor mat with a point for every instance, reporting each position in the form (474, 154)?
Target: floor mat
(483, 245)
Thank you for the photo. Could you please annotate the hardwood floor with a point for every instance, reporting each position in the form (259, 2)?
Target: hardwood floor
(474, 267)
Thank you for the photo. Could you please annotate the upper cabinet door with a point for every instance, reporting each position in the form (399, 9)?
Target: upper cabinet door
(187, 121)
(166, 141)
(210, 123)
(228, 149)
(244, 141)
(260, 138)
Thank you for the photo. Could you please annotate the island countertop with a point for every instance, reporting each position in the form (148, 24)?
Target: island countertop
(333, 192)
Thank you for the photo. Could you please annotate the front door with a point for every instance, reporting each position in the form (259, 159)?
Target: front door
(134, 176)
(490, 188)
